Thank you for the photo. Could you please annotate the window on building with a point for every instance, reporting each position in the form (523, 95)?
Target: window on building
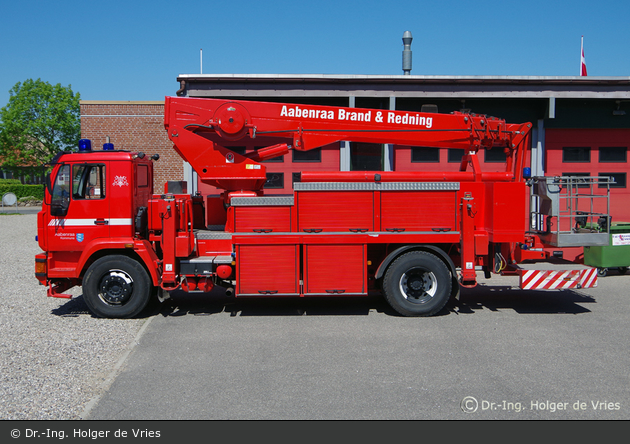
(580, 185)
(619, 178)
(496, 154)
(274, 180)
(613, 154)
(307, 156)
(425, 154)
(366, 156)
(576, 154)
(455, 155)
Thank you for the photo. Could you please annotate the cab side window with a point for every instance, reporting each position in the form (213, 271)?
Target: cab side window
(88, 181)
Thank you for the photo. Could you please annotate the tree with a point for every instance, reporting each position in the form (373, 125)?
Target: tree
(39, 121)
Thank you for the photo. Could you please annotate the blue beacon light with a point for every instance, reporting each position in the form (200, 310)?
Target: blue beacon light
(85, 145)
(108, 146)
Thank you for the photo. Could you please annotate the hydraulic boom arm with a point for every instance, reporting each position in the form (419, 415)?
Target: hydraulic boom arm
(196, 126)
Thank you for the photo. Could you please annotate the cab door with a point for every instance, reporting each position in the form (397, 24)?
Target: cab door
(80, 207)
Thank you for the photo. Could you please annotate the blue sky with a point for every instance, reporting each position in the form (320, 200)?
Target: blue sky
(134, 50)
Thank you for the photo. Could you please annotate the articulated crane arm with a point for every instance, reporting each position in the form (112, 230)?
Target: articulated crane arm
(194, 126)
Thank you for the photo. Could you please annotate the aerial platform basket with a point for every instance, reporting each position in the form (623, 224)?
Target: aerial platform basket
(571, 211)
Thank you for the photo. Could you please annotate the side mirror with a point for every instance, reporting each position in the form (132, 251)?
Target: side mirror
(59, 207)
(48, 184)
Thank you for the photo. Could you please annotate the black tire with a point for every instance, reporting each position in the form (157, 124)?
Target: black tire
(623, 270)
(601, 272)
(417, 284)
(116, 287)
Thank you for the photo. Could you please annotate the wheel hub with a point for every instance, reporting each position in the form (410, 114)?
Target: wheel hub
(116, 287)
(418, 285)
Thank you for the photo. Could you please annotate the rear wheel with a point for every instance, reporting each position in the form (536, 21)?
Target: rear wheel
(417, 284)
(116, 287)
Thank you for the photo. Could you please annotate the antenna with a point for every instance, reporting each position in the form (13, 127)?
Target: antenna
(201, 61)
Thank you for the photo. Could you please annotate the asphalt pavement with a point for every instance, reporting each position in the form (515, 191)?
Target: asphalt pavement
(500, 353)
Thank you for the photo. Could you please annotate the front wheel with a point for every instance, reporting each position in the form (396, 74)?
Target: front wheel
(116, 287)
(417, 284)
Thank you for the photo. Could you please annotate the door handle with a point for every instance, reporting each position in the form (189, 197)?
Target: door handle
(312, 230)
(101, 222)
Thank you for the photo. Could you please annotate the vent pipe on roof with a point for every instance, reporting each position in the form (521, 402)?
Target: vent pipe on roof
(406, 62)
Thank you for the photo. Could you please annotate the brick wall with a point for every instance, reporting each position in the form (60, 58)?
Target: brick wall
(133, 126)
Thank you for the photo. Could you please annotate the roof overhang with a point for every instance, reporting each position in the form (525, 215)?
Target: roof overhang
(325, 85)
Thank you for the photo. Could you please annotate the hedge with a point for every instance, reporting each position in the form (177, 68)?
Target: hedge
(36, 191)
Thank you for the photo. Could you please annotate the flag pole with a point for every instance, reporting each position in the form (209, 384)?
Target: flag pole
(582, 59)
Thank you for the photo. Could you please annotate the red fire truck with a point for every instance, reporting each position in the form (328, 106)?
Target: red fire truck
(415, 236)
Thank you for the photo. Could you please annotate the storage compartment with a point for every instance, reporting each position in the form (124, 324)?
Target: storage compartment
(262, 219)
(418, 211)
(267, 270)
(506, 215)
(201, 266)
(335, 269)
(336, 211)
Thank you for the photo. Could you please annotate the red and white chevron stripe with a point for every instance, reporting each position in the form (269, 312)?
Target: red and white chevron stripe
(558, 279)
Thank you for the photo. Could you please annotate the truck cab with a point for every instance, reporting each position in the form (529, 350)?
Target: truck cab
(97, 203)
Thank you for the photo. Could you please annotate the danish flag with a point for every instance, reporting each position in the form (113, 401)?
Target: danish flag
(582, 61)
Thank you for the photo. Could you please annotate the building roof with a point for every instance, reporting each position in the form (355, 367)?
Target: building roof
(269, 85)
